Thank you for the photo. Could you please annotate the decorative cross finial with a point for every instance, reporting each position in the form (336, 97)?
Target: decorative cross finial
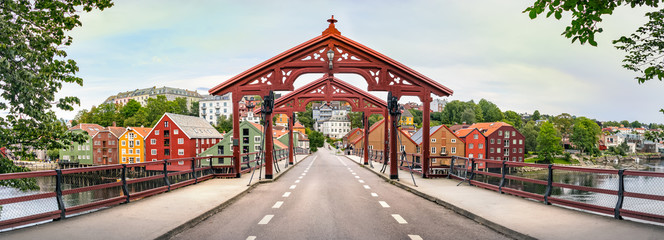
(331, 29)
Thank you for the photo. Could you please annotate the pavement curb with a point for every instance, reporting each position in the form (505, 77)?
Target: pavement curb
(490, 224)
(193, 222)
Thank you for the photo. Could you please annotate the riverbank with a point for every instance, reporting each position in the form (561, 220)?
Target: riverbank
(37, 166)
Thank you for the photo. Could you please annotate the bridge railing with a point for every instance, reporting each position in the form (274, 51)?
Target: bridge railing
(410, 160)
(618, 193)
(67, 192)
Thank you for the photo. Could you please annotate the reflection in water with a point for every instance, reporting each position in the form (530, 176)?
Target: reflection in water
(634, 184)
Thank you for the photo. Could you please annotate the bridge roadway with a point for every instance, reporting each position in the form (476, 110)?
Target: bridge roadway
(331, 197)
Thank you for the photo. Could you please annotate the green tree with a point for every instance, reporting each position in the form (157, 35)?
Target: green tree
(530, 133)
(194, 109)
(156, 107)
(513, 118)
(53, 154)
(180, 106)
(316, 139)
(585, 134)
(491, 112)
(355, 119)
(625, 123)
(374, 118)
(536, 115)
(635, 124)
(105, 114)
(33, 68)
(564, 123)
(548, 143)
(306, 117)
(140, 118)
(643, 48)
(417, 116)
(224, 124)
(24, 184)
(468, 116)
(129, 109)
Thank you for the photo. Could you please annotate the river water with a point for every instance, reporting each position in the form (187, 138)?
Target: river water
(635, 184)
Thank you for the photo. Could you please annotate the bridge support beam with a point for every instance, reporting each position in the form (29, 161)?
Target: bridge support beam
(236, 132)
(291, 124)
(269, 147)
(394, 167)
(426, 133)
(366, 139)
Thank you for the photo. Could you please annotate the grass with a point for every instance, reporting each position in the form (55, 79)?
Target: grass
(555, 160)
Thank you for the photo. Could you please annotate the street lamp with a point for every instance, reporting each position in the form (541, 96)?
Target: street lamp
(330, 57)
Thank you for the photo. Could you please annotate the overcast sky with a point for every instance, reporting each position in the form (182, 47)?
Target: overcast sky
(479, 49)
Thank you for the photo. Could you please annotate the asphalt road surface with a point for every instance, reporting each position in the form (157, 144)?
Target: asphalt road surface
(330, 197)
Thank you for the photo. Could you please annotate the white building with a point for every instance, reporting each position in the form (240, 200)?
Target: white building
(212, 107)
(336, 127)
(437, 105)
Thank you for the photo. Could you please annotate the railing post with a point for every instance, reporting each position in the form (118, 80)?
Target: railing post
(472, 171)
(211, 169)
(58, 193)
(503, 170)
(125, 190)
(193, 169)
(621, 194)
(166, 176)
(549, 185)
(449, 174)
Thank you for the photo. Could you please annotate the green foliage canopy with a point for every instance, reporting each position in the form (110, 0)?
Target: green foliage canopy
(548, 142)
(585, 134)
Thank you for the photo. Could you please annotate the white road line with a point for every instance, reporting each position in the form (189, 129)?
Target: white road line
(304, 174)
(278, 204)
(306, 171)
(293, 186)
(399, 219)
(382, 203)
(373, 194)
(357, 176)
(367, 187)
(297, 181)
(415, 237)
(354, 173)
(267, 219)
(286, 194)
(300, 177)
(254, 237)
(361, 181)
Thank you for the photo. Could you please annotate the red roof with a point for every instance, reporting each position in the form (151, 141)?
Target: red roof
(490, 127)
(90, 128)
(331, 36)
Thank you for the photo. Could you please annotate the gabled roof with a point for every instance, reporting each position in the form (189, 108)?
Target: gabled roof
(464, 132)
(194, 127)
(457, 127)
(256, 125)
(417, 137)
(332, 37)
(490, 127)
(143, 131)
(297, 125)
(280, 144)
(408, 137)
(91, 128)
(116, 131)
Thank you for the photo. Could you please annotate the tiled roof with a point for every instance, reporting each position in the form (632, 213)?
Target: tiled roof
(464, 132)
(408, 137)
(258, 126)
(194, 127)
(143, 131)
(490, 127)
(298, 125)
(280, 144)
(459, 126)
(117, 131)
(90, 128)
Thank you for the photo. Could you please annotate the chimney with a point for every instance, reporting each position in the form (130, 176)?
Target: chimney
(113, 123)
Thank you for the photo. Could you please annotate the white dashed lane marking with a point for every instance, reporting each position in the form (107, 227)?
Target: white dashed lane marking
(293, 186)
(251, 238)
(373, 194)
(367, 187)
(415, 237)
(286, 194)
(399, 219)
(300, 177)
(384, 204)
(267, 219)
(278, 204)
(297, 181)
(361, 181)
(357, 176)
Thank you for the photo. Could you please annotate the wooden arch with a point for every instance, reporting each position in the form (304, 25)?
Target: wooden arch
(379, 71)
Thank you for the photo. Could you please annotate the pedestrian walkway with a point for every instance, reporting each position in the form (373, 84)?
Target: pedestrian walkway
(518, 217)
(155, 217)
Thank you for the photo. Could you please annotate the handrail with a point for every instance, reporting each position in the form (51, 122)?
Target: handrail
(144, 183)
(617, 209)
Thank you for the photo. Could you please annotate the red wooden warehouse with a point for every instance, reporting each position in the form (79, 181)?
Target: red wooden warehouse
(475, 144)
(179, 136)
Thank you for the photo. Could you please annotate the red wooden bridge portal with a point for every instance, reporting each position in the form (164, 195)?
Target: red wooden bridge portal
(328, 54)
